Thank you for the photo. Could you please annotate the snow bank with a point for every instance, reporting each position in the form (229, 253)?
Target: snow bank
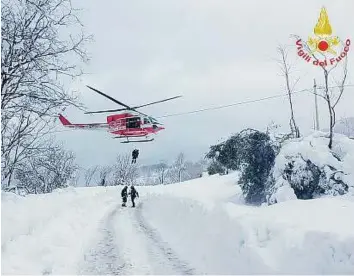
(207, 238)
(208, 189)
(296, 237)
(304, 237)
(308, 168)
(48, 234)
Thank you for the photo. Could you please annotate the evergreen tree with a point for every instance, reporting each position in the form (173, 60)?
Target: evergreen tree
(215, 167)
(253, 153)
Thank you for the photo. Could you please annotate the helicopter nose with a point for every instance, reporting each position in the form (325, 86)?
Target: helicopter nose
(158, 128)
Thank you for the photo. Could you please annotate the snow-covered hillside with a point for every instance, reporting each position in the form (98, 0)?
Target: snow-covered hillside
(196, 227)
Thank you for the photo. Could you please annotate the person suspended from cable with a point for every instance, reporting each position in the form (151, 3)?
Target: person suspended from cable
(135, 155)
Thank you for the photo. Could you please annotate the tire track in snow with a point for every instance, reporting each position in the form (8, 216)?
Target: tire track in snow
(105, 258)
(133, 246)
(169, 256)
(128, 246)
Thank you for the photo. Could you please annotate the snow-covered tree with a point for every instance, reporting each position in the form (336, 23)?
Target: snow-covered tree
(50, 169)
(124, 172)
(193, 169)
(216, 168)
(176, 172)
(104, 174)
(91, 176)
(76, 177)
(252, 152)
(312, 170)
(161, 171)
(36, 58)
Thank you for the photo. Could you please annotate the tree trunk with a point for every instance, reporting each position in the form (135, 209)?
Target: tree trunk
(286, 71)
(330, 109)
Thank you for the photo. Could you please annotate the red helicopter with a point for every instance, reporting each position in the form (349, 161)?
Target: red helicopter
(125, 125)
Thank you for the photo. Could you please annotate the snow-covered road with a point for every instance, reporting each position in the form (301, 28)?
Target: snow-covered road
(127, 245)
(103, 257)
(196, 227)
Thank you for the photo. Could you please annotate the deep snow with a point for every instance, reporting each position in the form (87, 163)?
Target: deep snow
(336, 163)
(196, 227)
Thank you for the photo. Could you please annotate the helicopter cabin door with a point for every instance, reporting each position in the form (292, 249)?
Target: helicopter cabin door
(133, 123)
(116, 122)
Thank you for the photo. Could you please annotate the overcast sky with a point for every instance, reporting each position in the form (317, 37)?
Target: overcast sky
(210, 52)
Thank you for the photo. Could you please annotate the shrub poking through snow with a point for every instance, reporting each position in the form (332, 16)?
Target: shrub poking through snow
(216, 168)
(306, 168)
(252, 152)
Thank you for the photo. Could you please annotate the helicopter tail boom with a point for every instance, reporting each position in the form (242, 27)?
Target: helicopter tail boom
(65, 122)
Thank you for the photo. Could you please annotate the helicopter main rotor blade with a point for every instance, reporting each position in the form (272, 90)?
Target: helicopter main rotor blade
(114, 110)
(109, 97)
(127, 107)
(106, 111)
(165, 100)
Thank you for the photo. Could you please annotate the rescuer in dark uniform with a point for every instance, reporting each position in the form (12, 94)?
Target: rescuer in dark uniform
(124, 195)
(133, 194)
(135, 155)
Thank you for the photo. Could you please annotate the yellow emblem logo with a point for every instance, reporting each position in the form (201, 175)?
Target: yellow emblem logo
(322, 43)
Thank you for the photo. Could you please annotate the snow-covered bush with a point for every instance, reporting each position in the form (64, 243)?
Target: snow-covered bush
(306, 168)
(215, 168)
(47, 170)
(256, 156)
(252, 153)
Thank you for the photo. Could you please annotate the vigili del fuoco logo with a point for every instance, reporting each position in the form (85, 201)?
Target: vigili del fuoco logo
(331, 49)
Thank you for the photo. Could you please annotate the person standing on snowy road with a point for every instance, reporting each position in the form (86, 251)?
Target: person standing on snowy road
(133, 194)
(124, 194)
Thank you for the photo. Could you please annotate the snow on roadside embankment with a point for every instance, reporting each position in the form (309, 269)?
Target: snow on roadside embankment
(49, 233)
(221, 237)
(209, 190)
(306, 168)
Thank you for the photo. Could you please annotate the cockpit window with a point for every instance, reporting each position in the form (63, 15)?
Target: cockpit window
(152, 120)
(146, 121)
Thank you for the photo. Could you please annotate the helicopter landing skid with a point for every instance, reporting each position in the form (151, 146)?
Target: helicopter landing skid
(137, 141)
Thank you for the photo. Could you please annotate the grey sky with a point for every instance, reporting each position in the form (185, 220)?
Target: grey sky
(210, 52)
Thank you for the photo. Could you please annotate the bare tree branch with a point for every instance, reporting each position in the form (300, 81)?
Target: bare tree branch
(90, 173)
(47, 170)
(330, 97)
(161, 170)
(37, 55)
(285, 69)
(341, 83)
(177, 169)
(124, 172)
(104, 173)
